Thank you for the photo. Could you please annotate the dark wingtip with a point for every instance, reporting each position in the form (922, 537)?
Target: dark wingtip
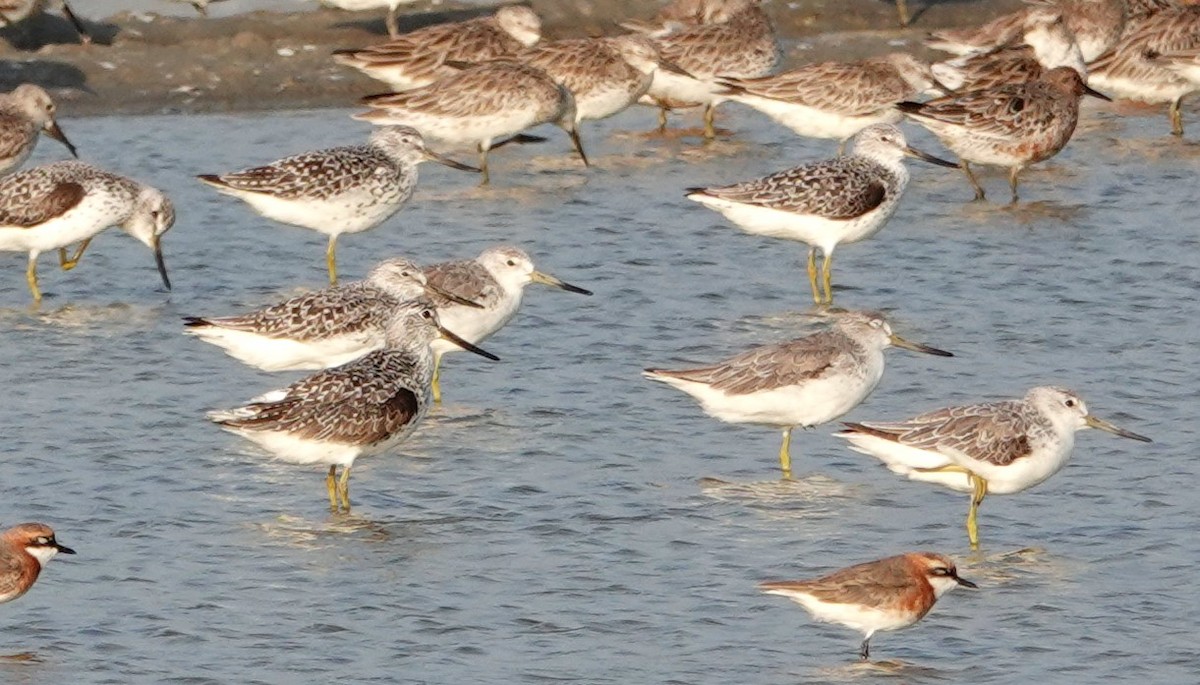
(730, 88)
(695, 190)
(212, 179)
(194, 321)
(909, 107)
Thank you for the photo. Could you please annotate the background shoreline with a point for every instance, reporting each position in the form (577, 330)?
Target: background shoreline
(142, 62)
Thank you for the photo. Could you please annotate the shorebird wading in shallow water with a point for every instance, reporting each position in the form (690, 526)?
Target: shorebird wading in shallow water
(24, 113)
(339, 190)
(999, 447)
(823, 204)
(605, 75)
(736, 40)
(888, 594)
(362, 408)
(1011, 126)
(835, 99)
(324, 328)
(483, 102)
(24, 550)
(56, 205)
(496, 279)
(1151, 63)
(804, 382)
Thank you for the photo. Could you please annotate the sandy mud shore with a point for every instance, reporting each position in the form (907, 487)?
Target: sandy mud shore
(143, 62)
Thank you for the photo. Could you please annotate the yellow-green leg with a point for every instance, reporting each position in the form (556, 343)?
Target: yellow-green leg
(710, 130)
(71, 263)
(331, 259)
(812, 275)
(435, 386)
(785, 454)
(344, 488)
(1012, 183)
(902, 10)
(979, 489)
(827, 277)
(974, 182)
(31, 278)
(485, 178)
(331, 486)
(1176, 118)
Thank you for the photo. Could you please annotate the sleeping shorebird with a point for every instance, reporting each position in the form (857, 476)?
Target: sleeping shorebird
(481, 103)
(1096, 26)
(823, 204)
(60, 204)
(998, 447)
(337, 190)
(1012, 126)
(362, 408)
(887, 594)
(324, 328)
(496, 279)
(24, 113)
(419, 58)
(835, 99)
(738, 43)
(1136, 68)
(24, 550)
(605, 75)
(799, 383)
(1046, 43)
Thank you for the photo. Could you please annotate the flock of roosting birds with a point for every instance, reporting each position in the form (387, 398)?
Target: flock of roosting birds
(1010, 98)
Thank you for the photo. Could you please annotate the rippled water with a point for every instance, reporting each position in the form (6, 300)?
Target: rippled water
(562, 519)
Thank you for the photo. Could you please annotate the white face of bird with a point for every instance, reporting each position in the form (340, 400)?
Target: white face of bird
(521, 23)
(401, 142)
(152, 216)
(941, 573)
(400, 277)
(38, 540)
(1067, 410)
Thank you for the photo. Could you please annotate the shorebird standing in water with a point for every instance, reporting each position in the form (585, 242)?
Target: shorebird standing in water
(338, 190)
(823, 204)
(362, 408)
(799, 383)
(998, 447)
(888, 594)
(60, 204)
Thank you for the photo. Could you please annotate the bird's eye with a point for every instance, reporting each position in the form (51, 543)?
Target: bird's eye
(426, 314)
(512, 262)
(1070, 403)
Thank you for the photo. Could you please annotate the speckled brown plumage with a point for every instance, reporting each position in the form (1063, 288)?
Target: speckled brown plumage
(838, 188)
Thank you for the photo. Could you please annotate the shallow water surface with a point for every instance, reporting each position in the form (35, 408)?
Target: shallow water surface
(563, 519)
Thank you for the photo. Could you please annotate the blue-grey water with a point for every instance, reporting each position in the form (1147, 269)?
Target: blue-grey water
(553, 522)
